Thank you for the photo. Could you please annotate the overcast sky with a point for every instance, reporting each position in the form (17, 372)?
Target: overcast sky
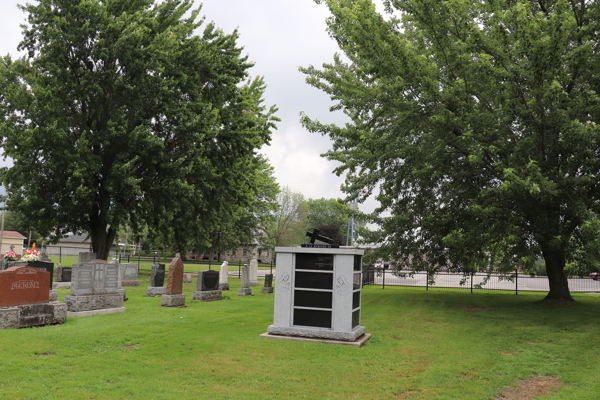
(279, 36)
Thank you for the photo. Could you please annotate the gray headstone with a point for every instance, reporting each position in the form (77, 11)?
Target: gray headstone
(245, 277)
(130, 271)
(85, 257)
(92, 278)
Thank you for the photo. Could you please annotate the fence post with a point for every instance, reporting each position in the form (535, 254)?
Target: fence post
(209, 260)
(240, 269)
(128, 258)
(60, 254)
(517, 281)
(427, 282)
(471, 281)
(139, 264)
(271, 270)
(383, 278)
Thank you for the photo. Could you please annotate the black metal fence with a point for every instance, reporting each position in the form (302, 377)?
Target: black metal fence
(515, 282)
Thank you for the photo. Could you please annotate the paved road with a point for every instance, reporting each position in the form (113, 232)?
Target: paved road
(523, 282)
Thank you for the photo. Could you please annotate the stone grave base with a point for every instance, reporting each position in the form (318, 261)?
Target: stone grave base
(266, 289)
(317, 333)
(223, 286)
(130, 283)
(172, 300)
(95, 302)
(95, 312)
(208, 295)
(52, 295)
(254, 283)
(61, 285)
(245, 292)
(156, 291)
(24, 316)
(359, 342)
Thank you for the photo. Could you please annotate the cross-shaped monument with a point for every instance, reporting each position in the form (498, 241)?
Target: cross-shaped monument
(317, 240)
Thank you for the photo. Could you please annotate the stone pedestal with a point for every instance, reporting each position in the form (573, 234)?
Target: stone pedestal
(52, 295)
(94, 302)
(245, 292)
(266, 290)
(156, 291)
(61, 285)
(23, 316)
(210, 295)
(130, 283)
(223, 286)
(172, 300)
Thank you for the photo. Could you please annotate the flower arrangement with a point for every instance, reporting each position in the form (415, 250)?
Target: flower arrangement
(31, 255)
(10, 256)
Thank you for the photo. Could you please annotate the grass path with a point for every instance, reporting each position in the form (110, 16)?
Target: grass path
(440, 344)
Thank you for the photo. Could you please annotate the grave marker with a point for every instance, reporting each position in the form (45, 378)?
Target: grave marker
(207, 286)
(174, 296)
(223, 276)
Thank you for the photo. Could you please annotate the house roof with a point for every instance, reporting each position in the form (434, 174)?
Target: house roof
(13, 234)
(83, 238)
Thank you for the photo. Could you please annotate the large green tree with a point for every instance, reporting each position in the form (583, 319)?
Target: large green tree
(116, 105)
(479, 123)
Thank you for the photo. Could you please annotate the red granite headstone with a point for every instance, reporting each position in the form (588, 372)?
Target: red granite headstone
(175, 283)
(23, 285)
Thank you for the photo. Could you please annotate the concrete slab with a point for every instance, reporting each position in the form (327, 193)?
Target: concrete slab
(360, 342)
(76, 314)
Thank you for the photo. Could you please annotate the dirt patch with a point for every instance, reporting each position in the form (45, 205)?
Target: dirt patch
(473, 308)
(130, 347)
(531, 388)
(44, 354)
(507, 353)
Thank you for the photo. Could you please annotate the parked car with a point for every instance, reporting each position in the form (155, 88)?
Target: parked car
(594, 275)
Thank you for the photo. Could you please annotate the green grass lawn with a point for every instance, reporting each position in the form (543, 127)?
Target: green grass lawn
(436, 344)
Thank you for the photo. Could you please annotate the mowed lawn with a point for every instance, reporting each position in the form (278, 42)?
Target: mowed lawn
(436, 344)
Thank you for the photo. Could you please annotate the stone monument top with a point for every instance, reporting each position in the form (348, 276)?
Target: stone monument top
(319, 241)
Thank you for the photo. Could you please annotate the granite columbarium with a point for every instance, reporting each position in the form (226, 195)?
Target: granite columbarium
(318, 296)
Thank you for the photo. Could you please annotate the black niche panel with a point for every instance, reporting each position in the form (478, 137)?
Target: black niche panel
(355, 319)
(355, 300)
(311, 280)
(316, 318)
(319, 262)
(304, 298)
(357, 263)
(356, 281)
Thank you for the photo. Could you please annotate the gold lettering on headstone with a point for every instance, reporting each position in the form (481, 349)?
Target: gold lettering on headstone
(25, 285)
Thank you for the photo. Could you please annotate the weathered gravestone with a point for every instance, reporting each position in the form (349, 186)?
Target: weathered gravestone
(24, 299)
(187, 278)
(129, 275)
(253, 271)
(245, 289)
(47, 266)
(86, 257)
(318, 293)
(157, 280)
(268, 288)
(207, 287)
(95, 289)
(174, 296)
(223, 276)
(62, 277)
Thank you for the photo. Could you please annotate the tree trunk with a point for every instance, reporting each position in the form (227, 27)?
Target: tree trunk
(102, 240)
(559, 285)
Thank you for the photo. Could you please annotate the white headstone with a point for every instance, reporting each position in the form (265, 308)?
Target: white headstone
(224, 272)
